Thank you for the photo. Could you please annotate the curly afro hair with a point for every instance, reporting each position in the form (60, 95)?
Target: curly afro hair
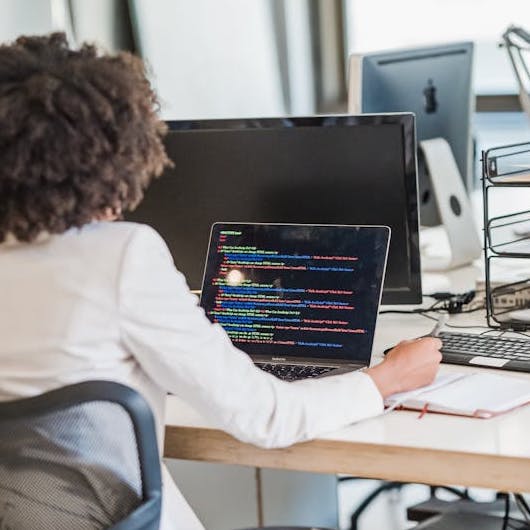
(79, 135)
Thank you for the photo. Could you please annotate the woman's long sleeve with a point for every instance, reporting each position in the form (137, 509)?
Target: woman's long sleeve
(179, 348)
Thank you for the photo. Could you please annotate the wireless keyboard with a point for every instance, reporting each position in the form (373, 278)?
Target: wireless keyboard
(482, 350)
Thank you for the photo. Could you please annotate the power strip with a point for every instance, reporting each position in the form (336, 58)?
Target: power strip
(514, 295)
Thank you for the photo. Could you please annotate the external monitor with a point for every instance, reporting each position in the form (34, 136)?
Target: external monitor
(432, 82)
(316, 170)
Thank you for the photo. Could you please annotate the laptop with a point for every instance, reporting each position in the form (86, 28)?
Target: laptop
(300, 300)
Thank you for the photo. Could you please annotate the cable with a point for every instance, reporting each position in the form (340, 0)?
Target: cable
(454, 326)
(521, 333)
(425, 314)
(402, 312)
(522, 508)
(506, 512)
(461, 494)
(456, 308)
(489, 330)
(420, 311)
(523, 502)
(444, 302)
(442, 295)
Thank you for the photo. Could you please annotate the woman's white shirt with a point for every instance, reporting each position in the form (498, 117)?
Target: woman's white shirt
(106, 302)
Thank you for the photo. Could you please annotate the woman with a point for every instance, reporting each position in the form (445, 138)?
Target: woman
(83, 297)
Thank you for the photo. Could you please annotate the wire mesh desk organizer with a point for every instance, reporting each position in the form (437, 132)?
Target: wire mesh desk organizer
(506, 170)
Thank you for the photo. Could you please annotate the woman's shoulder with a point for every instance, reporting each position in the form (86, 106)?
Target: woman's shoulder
(117, 232)
(137, 250)
(112, 238)
(133, 239)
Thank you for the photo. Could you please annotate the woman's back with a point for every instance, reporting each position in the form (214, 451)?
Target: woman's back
(60, 310)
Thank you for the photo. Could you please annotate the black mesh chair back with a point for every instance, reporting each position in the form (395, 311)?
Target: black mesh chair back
(83, 457)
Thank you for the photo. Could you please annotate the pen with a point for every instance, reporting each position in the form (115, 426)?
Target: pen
(442, 321)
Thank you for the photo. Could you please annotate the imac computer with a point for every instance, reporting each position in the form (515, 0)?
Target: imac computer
(346, 170)
(432, 82)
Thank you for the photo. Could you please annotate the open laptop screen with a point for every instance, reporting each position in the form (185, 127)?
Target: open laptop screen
(302, 291)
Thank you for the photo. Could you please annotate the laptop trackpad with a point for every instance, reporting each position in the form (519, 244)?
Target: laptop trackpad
(495, 362)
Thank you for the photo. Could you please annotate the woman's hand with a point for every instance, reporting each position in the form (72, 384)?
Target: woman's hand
(411, 364)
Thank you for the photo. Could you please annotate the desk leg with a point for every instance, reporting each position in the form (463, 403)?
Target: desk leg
(259, 496)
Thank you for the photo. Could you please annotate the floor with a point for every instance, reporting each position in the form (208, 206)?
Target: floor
(388, 511)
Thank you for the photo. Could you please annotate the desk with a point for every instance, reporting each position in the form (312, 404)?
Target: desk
(437, 449)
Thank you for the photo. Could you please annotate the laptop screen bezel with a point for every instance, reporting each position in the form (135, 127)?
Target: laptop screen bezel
(339, 359)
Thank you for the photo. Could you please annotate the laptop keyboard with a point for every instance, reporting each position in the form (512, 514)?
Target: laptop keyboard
(293, 372)
(459, 348)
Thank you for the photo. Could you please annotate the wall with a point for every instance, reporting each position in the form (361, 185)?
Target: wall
(210, 59)
(15, 19)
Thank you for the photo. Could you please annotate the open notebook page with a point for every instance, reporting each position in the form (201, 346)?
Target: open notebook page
(439, 381)
(487, 392)
(467, 393)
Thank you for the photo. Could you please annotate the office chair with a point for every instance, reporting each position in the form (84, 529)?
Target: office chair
(84, 456)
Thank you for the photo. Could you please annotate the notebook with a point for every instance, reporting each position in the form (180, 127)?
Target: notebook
(300, 300)
(480, 395)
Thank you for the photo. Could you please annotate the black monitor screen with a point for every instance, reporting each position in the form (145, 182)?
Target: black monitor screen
(321, 170)
(296, 290)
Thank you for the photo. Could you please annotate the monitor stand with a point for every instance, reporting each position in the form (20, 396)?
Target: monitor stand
(454, 209)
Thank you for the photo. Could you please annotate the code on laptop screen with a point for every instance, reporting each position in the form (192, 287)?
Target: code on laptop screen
(296, 290)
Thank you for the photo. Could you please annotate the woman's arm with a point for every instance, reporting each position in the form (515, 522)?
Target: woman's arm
(183, 352)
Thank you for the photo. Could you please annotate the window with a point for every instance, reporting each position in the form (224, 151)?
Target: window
(373, 25)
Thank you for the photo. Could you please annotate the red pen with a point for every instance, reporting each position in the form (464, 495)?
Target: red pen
(423, 411)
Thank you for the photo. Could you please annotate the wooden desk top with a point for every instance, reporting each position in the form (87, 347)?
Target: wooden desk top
(434, 450)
